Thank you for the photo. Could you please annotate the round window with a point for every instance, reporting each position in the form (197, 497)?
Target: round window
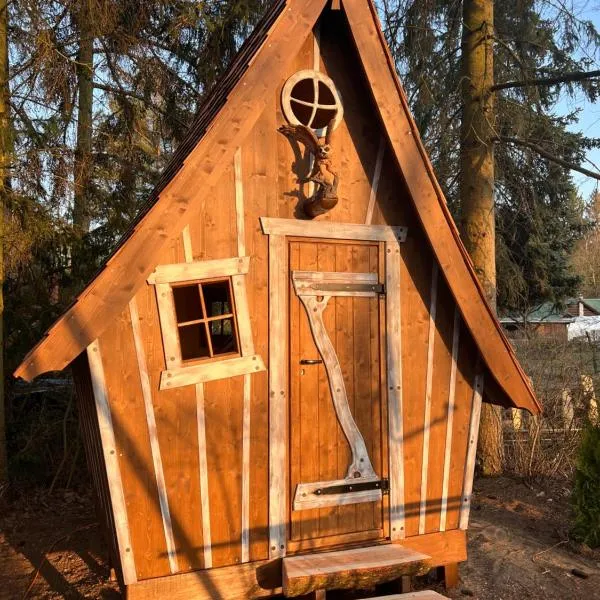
(310, 98)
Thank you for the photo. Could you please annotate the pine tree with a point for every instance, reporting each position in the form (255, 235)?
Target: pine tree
(513, 63)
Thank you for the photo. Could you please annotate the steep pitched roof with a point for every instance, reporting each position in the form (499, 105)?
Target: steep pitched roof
(231, 120)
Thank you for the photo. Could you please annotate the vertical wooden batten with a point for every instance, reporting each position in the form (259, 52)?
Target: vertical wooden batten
(154, 445)
(394, 382)
(201, 428)
(247, 348)
(428, 390)
(450, 419)
(465, 506)
(111, 461)
(375, 180)
(203, 468)
(277, 396)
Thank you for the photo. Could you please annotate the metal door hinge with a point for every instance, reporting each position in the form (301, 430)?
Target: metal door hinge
(349, 488)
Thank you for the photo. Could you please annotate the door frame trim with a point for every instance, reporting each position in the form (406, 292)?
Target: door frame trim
(278, 230)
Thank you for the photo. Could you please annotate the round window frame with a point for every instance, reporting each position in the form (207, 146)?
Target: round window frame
(316, 76)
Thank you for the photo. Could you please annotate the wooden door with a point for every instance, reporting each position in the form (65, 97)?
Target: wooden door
(338, 453)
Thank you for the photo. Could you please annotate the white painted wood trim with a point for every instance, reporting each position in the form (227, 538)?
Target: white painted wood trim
(246, 469)
(450, 419)
(239, 202)
(332, 230)
(278, 278)
(211, 371)
(111, 461)
(394, 381)
(469, 472)
(187, 244)
(153, 436)
(203, 472)
(375, 180)
(428, 391)
(205, 269)
(314, 283)
(168, 325)
(305, 498)
(240, 298)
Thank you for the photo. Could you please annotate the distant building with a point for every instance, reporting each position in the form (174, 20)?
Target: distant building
(549, 319)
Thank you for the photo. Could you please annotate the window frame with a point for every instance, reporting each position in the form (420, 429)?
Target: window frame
(180, 372)
(207, 321)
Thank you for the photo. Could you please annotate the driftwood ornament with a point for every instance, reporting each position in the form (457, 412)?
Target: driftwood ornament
(326, 181)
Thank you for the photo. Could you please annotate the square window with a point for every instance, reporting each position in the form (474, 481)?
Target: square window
(217, 298)
(205, 321)
(193, 342)
(187, 303)
(223, 336)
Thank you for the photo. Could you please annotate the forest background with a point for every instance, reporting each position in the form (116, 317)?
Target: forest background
(96, 94)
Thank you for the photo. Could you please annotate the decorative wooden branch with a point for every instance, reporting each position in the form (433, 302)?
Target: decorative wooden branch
(322, 175)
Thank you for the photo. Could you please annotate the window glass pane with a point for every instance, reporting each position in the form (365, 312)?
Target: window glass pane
(216, 298)
(193, 341)
(223, 336)
(187, 303)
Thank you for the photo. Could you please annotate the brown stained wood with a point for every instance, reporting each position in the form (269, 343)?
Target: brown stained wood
(114, 286)
(111, 460)
(465, 505)
(444, 547)
(433, 308)
(316, 454)
(358, 568)
(415, 293)
(154, 446)
(258, 167)
(462, 414)
(175, 413)
(304, 446)
(451, 577)
(329, 430)
(357, 134)
(223, 408)
(253, 580)
(90, 433)
(442, 361)
(433, 212)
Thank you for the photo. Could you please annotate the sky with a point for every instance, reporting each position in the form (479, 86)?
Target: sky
(589, 117)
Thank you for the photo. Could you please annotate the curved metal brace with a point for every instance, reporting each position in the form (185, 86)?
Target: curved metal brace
(361, 464)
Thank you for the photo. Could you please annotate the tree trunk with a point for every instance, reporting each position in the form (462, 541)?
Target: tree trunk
(83, 147)
(477, 184)
(5, 153)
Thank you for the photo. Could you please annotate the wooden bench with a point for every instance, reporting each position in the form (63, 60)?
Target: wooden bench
(356, 568)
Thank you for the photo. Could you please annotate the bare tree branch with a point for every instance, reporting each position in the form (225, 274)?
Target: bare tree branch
(563, 78)
(547, 155)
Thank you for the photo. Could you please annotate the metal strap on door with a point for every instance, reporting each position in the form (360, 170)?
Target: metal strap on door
(361, 484)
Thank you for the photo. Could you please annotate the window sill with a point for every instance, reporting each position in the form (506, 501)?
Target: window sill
(211, 371)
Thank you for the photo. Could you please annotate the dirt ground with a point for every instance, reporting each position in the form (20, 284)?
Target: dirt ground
(518, 548)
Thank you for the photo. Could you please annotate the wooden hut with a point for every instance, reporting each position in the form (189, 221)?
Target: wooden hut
(288, 352)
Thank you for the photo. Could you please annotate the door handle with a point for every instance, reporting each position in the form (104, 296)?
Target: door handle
(311, 361)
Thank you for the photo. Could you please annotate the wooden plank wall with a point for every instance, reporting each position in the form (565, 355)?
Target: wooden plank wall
(237, 501)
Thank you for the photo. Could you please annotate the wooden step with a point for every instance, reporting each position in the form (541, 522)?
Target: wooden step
(424, 595)
(358, 568)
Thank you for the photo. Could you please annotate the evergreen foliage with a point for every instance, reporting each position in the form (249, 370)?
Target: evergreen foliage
(586, 494)
(539, 215)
